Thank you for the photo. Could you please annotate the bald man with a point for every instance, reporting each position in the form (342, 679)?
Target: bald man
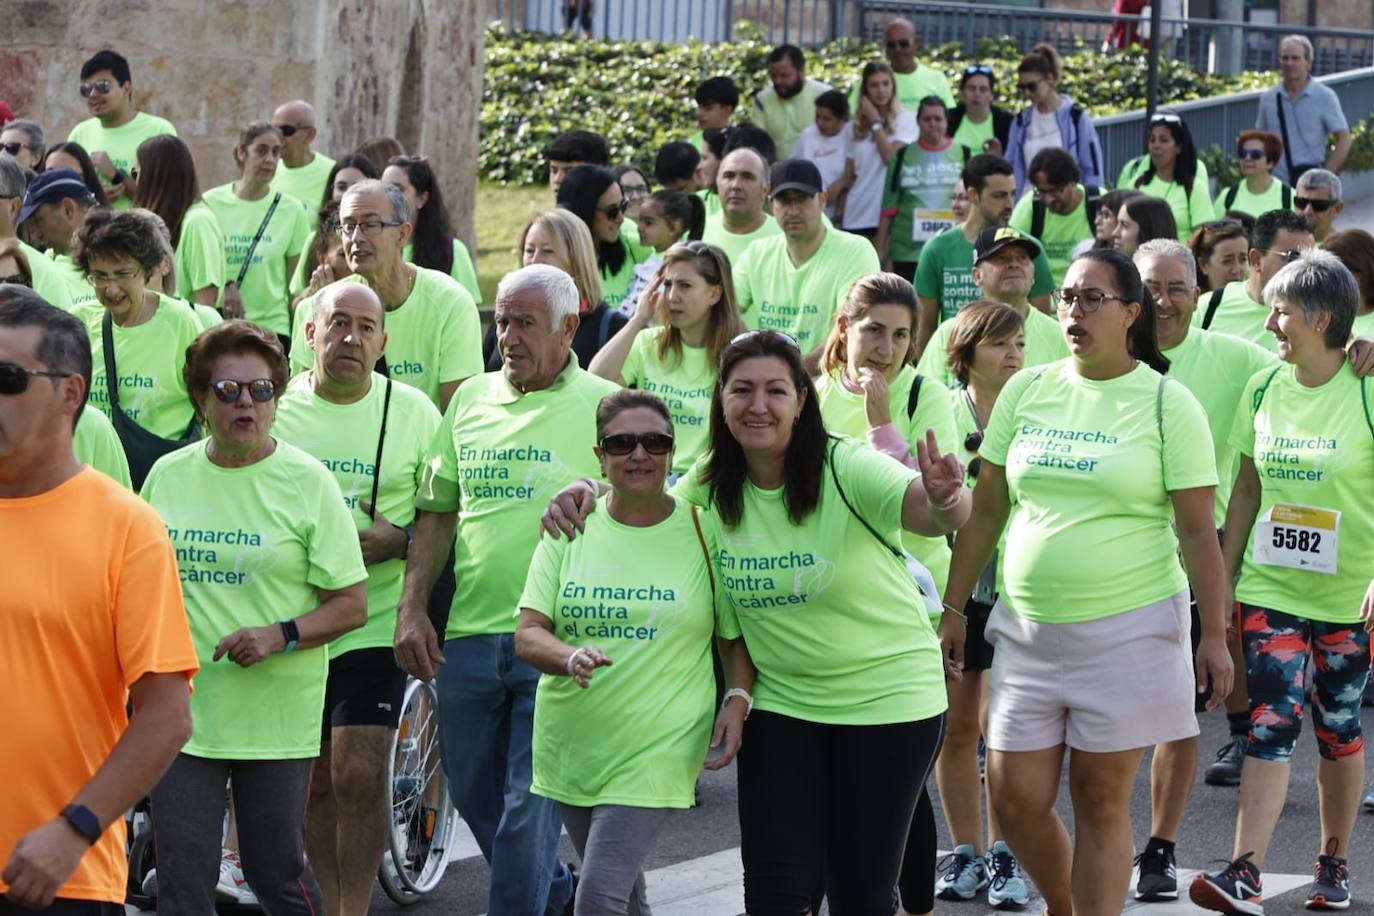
(914, 80)
(302, 172)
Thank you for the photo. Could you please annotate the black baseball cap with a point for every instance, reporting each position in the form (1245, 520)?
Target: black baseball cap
(994, 238)
(796, 175)
(50, 187)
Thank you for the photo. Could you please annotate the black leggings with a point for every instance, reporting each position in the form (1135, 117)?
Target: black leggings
(832, 800)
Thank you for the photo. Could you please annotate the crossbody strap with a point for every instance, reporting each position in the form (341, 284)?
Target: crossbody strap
(701, 539)
(855, 512)
(248, 258)
(1213, 301)
(1159, 422)
(1283, 129)
(111, 376)
(381, 438)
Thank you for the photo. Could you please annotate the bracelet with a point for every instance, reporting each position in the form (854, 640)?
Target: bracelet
(742, 694)
(951, 608)
(952, 503)
(572, 658)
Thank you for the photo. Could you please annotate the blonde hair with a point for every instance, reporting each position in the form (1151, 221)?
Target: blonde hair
(572, 244)
(866, 294)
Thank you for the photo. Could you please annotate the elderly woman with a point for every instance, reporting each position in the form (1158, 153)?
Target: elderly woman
(1259, 191)
(271, 572)
(1299, 530)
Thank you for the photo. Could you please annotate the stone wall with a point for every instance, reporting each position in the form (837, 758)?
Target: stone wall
(408, 68)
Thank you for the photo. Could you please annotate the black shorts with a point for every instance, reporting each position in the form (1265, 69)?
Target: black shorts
(365, 687)
(977, 649)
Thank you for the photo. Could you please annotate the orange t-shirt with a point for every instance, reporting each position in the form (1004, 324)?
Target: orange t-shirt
(90, 603)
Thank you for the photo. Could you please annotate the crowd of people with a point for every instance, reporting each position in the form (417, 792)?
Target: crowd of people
(860, 437)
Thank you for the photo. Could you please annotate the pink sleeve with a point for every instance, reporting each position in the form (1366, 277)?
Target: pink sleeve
(887, 440)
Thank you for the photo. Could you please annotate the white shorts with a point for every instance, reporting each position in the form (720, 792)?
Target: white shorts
(1102, 686)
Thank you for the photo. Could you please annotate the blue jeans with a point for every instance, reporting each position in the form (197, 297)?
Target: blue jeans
(486, 717)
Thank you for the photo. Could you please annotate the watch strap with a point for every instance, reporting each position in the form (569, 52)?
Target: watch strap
(290, 632)
(83, 821)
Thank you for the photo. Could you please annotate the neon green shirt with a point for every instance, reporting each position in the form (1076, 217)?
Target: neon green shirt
(614, 286)
(1238, 315)
(785, 119)
(800, 300)
(643, 596)
(945, 273)
(1254, 204)
(200, 253)
(499, 457)
(434, 337)
(120, 143)
(843, 412)
(96, 443)
(80, 292)
(1215, 368)
(1363, 326)
(914, 86)
(462, 269)
(973, 135)
(918, 191)
(305, 184)
(1190, 209)
(263, 291)
(685, 385)
(1089, 480)
(48, 281)
(733, 244)
(1044, 344)
(149, 358)
(834, 622)
(1311, 447)
(711, 200)
(255, 545)
(1061, 233)
(344, 439)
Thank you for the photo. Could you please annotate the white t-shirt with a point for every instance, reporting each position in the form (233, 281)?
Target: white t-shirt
(1043, 134)
(864, 202)
(828, 154)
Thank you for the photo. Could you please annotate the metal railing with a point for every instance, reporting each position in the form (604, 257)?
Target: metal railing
(801, 22)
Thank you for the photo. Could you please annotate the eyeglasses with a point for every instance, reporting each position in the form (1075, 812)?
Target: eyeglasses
(978, 70)
(1166, 118)
(1318, 206)
(259, 389)
(1251, 154)
(781, 335)
(1289, 256)
(369, 227)
(634, 190)
(1039, 193)
(900, 43)
(1173, 290)
(12, 148)
(625, 443)
(15, 379)
(1090, 300)
(101, 86)
(1029, 87)
(615, 210)
(95, 277)
(287, 130)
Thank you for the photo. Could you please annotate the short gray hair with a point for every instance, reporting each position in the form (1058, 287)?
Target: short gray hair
(400, 208)
(558, 289)
(32, 130)
(1299, 40)
(327, 296)
(1319, 283)
(1313, 179)
(12, 182)
(1168, 248)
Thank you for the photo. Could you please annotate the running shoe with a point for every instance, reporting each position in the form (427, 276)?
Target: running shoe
(1234, 889)
(1330, 883)
(233, 886)
(1369, 802)
(1158, 874)
(962, 874)
(149, 887)
(1006, 888)
(1225, 770)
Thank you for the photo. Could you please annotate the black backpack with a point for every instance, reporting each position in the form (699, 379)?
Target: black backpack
(1213, 301)
(1286, 195)
(1093, 195)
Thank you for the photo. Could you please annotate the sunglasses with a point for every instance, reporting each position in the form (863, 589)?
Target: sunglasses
(1318, 206)
(1166, 119)
(1219, 224)
(101, 86)
(615, 210)
(1290, 256)
(287, 130)
(1028, 87)
(1251, 154)
(622, 444)
(12, 148)
(782, 335)
(978, 70)
(15, 379)
(902, 43)
(228, 390)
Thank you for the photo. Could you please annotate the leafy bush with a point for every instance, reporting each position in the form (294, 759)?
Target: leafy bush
(638, 94)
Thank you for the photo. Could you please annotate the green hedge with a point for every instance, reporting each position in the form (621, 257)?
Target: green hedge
(638, 94)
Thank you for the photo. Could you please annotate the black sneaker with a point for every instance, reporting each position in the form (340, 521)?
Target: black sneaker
(1225, 770)
(1158, 874)
(1234, 889)
(1330, 884)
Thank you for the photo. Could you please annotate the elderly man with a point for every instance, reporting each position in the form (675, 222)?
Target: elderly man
(345, 414)
(48, 281)
(302, 172)
(788, 106)
(1279, 236)
(914, 79)
(1304, 113)
(86, 632)
(24, 141)
(55, 206)
(1319, 199)
(742, 185)
(435, 333)
(508, 442)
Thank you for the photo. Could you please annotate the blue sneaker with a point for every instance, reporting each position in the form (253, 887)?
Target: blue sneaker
(1006, 888)
(962, 874)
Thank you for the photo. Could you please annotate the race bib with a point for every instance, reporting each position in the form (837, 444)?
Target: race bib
(926, 224)
(1298, 537)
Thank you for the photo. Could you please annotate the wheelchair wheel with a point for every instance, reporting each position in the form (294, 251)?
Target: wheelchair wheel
(422, 814)
(142, 856)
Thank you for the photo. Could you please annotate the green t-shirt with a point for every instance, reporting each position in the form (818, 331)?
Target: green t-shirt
(1363, 326)
(96, 443)
(1044, 344)
(434, 337)
(1238, 315)
(1312, 447)
(265, 299)
(1215, 368)
(305, 184)
(800, 300)
(835, 624)
(843, 413)
(1089, 480)
(785, 119)
(974, 135)
(344, 439)
(80, 292)
(914, 86)
(1061, 233)
(499, 457)
(149, 358)
(1189, 209)
(120, 143)
(48, 280)
(643, 596)
(685, 385)
(200, 253)
(615, 285)
(1254, 204)
(254, 545)
(733, 244)
(918, 190)
(945, 273)
(462, 269)
(711, 200)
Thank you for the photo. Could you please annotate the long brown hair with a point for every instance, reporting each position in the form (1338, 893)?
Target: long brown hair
(713, 266)
(167, 181)
(866, 294)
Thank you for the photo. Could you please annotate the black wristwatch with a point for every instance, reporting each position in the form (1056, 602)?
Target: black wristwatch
(290, 632)
(83, 821)
(119, 177)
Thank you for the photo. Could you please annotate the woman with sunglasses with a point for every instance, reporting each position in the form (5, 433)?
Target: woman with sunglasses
(433, 243)
(1221, 248)
(879, 128)
(270, 572)
(346, 172)
(1259, 191)
(593, 195)
(1172, 170)
(617, 774)
(167, 186)
(975, 122)
(1085, 463)
(1051, 119)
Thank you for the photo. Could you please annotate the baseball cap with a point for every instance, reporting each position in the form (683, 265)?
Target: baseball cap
(50, 187)
(994, 238)
(796, 175)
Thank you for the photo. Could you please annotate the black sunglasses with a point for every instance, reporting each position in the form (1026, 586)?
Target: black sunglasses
(287, 130)
(1250, 153)
(15, 379)
(1319, 206)
(259, 389)
(902, 43)
(622, 444)
(1028, 87)
(12, 148)
(101, 86)
(978, 69)
(615, 210)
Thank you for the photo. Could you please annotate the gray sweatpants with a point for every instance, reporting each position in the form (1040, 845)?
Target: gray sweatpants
(188, 820)
(613, 841)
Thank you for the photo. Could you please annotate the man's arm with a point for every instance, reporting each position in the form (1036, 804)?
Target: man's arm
(416, 643)
(927, 317)
(1335, 160)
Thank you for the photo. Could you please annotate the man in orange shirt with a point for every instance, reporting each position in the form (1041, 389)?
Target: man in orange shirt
(92, 617)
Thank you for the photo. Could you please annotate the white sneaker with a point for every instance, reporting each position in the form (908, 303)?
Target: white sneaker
(233, 886)
(149, 887)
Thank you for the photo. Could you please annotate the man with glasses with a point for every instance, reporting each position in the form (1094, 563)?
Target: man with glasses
(24, 141)
(55, 206)
(914, 80)
(434, 333)
(1304, 113)
(47, 278)
(742, 185)
(508, 442)
(1279, 236)
(1059, 210)
(302, 171)
(1319, 199)
(116, 128)
(788, 106)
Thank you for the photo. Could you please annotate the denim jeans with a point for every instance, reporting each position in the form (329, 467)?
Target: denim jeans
(486, 717)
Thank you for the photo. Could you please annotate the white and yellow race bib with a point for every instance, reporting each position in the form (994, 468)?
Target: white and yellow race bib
(1298, 537)
(926, 224)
